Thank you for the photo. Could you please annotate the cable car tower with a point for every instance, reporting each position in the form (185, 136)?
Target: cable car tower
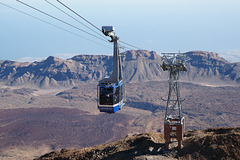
(110, 89)
(174, 120)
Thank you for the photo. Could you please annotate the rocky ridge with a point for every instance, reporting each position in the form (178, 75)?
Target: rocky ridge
(208, 67)
(213, 143)
(138, 66)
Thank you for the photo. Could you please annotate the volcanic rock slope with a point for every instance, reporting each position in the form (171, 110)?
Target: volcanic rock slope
(213, 143)
(138, 66)
(205, 106)
(208, 67)
(25, 133)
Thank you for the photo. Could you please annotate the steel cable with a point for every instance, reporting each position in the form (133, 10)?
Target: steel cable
(130, 45)
(79, 15)
(74, 19)
(61, 20)
(93, 24)
(54, 25)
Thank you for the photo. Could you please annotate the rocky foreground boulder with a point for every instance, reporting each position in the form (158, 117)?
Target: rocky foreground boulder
(213, 143)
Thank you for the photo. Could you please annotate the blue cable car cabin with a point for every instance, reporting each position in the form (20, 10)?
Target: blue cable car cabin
(111, 89)
(110, 97)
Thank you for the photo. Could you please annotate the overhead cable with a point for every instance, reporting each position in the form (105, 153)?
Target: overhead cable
(54, 25)
(123, 47)
(93, 24)
(130, 45)
(79, 15)
(61, 20)
(75, 19)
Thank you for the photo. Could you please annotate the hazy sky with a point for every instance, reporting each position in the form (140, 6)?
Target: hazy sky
(158, 25)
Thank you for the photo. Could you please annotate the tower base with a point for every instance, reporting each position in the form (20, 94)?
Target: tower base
(173, 129)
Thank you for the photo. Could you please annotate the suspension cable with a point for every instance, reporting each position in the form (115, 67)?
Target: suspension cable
(105, 39)
(75, 19)
(123, 47)
(79, 15)
(130, 45)
(93, 24)
(53, 25)
(60, 20)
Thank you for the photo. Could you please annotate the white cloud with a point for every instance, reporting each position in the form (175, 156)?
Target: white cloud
(231, 55)
(70, 55)
(65, 55)
(59, 55)
(30, 59)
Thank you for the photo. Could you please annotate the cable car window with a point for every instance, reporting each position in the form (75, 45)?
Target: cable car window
(106, 96)
(116, 95)
(121, 92)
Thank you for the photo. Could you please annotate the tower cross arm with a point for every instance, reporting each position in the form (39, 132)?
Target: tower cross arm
(173, 61)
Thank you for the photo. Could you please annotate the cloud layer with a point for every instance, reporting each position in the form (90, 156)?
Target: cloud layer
(231, 55)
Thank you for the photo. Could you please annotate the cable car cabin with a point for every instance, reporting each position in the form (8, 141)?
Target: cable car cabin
(110, 97)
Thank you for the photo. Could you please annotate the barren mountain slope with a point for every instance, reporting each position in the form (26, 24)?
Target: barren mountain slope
(138, 66)
(203, 107)
(213, 143)
(209, 68)
(54, 128)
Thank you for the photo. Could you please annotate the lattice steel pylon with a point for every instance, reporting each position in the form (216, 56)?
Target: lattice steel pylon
(174, 120)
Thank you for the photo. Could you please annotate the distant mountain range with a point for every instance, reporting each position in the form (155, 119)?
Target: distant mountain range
(138, 66)
(209, 68)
